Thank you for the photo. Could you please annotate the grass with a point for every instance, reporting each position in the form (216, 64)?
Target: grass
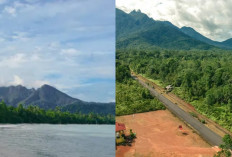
(193, 114)
(158, 82)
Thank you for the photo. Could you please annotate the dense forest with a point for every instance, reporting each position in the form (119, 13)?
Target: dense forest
(131, 96)
(201, 77)
(34, 114)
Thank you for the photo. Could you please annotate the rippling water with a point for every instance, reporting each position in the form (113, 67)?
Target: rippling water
(31, 140)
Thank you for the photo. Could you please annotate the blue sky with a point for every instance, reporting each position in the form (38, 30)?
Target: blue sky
(69, 44)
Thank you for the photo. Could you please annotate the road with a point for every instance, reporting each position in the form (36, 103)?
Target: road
(207, 134)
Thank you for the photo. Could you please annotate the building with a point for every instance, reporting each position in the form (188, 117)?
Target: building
(169, 88)
(120, 127)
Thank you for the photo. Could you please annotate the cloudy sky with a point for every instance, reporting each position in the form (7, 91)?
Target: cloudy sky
(210, 18)
(69, 44)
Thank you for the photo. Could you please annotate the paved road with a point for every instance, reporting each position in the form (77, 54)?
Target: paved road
(207, 134)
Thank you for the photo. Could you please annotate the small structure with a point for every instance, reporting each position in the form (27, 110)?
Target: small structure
(169, 88)
(184, 132)
(120, 127)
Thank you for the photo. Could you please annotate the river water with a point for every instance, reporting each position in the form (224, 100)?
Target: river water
(44, 140)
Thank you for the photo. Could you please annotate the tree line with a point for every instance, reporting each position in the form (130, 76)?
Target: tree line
(226, 147)
(131, 97)
(201, 77)
(34, 114)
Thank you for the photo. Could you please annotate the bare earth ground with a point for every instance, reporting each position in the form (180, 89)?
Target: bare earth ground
(158, 135)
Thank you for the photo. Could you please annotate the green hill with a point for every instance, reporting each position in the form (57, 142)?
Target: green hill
(137, 30)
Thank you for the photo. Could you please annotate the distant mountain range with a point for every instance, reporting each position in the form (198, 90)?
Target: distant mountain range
(194, 34)
(136, 29)
(48, 97)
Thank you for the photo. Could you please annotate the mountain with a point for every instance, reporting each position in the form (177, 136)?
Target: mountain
(14, 94)
(136, 29)
(194, 34)
(48, 97)
(228, 42)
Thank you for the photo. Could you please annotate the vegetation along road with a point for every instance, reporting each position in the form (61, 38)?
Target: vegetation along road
(210, 136)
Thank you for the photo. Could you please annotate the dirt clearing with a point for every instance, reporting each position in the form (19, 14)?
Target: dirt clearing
(158, 134)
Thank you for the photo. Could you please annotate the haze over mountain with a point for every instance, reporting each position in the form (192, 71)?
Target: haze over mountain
(136, 29)
(194, 34)
(48, 97)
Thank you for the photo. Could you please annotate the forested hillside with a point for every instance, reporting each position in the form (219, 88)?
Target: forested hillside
(136, 29)
(201, 77)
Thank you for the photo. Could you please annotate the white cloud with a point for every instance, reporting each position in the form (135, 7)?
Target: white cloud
(17, 80)
(13, 61)
(54, 45)
(10, 10)
(2, 40)
(70, 52)
(20, 36)
(37, 84)
(15, 7)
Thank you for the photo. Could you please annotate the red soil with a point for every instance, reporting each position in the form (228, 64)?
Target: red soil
(158, 135)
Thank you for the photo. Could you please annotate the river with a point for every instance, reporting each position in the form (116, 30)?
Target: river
(44, 140)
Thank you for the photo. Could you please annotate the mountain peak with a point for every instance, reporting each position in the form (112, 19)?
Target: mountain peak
(13, 94)
(138, 15)
(47, 86)
(187, 28)
(135, 11)
(16, 86)
(19, 88)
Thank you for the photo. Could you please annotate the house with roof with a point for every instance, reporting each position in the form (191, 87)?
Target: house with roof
(119, 130)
